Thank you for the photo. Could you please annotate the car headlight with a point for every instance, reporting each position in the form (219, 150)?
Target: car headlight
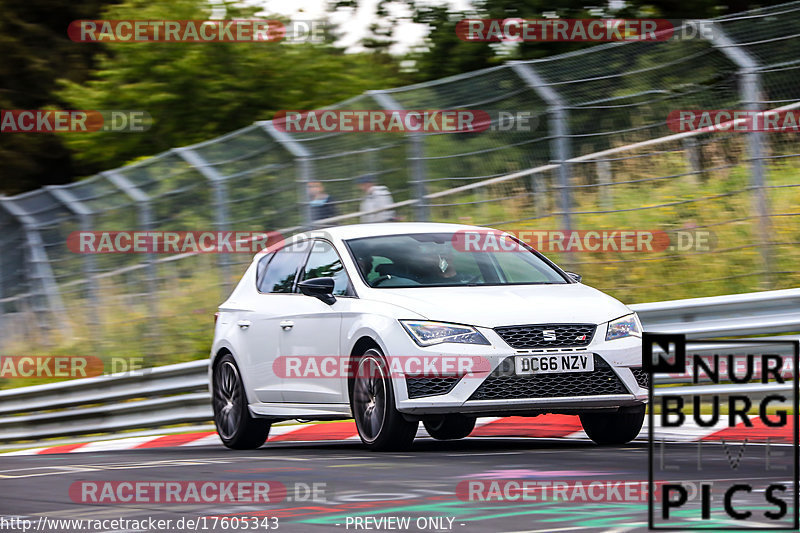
(625, 326)
(426, 333)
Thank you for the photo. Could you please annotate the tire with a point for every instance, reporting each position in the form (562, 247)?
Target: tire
(237, 428)
(614, 428)
(380, 426)
(449, 427)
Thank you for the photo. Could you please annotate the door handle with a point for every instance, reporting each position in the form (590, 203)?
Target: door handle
(244, 324)
(286, 325)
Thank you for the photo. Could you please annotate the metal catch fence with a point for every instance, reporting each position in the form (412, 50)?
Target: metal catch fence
(598, 154)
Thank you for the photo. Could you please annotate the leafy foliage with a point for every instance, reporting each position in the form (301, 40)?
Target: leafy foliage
(36, 51)
(198, 91)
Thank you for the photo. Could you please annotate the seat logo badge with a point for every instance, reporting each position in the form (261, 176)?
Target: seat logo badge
(549, 334)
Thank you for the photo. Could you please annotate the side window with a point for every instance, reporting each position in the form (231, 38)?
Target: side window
(521, 268)
(262, 267)
(324, 262)
(282, 269)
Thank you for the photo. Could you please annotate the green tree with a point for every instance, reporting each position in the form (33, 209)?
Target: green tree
(194, 92)
(443, 53)
(35, 52)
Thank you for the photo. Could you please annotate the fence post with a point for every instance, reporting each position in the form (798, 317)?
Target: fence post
(84, 214)
(692, 150)
(220, 188)
(305, 174)
(605, 180)
(304, 167)
(40, 275)
(539, 194)
(750, 95)
(559, 132)
(416, 157)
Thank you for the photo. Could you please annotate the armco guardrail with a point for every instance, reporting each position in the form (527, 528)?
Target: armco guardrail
(176, 394)
(755, 313)
(146, 398)
(144, 383)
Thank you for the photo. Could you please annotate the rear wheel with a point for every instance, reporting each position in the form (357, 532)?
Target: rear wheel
(380, 426)
(237, 428)
(449, 427)
(614, 428)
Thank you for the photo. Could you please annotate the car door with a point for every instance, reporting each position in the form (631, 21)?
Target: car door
(313, 338)
(276, 305)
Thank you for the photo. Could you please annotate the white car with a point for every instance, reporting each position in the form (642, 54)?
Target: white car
(397, 323)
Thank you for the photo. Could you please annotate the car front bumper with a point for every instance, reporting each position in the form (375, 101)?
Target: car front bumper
(617, 358)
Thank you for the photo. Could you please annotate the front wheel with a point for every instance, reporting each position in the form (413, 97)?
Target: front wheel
(449, 427)
(614, 428)
(380, 426)
(236, 427)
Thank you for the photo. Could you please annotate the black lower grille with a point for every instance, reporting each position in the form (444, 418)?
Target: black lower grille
(642, 377)
(503, 384)
(547, 335)
(420, 387)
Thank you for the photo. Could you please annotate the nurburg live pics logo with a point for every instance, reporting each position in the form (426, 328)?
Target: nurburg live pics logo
(771, 500)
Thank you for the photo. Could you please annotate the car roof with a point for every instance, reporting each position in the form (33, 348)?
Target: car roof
(356, 231)
(377, 229)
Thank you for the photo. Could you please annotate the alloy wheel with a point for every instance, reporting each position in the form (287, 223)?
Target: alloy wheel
(227, 402)
(369, 398)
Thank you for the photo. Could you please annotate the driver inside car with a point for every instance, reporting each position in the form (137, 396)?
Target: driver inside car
(440, 269)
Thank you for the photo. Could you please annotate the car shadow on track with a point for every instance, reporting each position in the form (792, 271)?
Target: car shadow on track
(464, 445)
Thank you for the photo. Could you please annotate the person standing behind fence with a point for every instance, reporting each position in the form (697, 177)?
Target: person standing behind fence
(321, 202)
(375, 197)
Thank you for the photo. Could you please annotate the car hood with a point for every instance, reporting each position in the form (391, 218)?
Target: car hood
(506, 305)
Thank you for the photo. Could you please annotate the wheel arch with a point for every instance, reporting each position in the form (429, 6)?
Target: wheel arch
(216, 358)
(218, 355)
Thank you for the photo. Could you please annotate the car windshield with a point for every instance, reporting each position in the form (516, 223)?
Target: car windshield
(437, 260)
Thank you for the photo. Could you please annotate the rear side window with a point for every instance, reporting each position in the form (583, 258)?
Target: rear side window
(262, 267)
(279, 274)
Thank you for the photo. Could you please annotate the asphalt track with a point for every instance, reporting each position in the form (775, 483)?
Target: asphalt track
(421, 483)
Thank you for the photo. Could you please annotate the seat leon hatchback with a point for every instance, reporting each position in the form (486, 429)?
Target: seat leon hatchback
(400, 323)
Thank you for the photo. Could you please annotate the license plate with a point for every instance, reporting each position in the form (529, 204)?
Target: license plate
(553, 364)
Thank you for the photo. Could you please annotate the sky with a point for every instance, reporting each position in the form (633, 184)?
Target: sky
(356, 21)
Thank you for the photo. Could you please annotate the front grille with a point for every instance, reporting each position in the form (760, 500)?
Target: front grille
(421, 387)
(533, 335)
(503, 384)
(642, 377)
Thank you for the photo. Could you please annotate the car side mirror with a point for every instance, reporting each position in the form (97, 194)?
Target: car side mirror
(321, 288)
(575, 277)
